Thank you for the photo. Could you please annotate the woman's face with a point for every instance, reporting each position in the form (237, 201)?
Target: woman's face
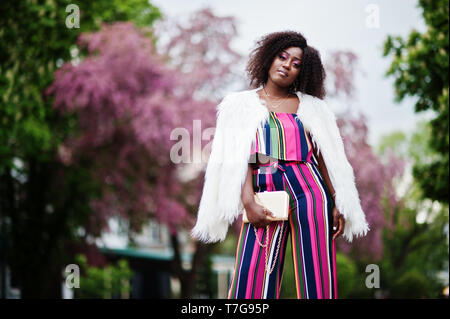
(286, 66)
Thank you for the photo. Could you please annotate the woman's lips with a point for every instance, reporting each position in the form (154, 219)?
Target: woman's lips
(283, 73)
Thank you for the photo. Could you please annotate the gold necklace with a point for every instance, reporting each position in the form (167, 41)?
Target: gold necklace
(277, 105)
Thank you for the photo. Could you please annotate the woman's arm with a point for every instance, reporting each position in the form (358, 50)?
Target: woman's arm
(247, 194)
(324, 172)
(255, 212)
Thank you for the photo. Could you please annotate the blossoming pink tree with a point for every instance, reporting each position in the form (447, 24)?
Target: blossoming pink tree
(375, 179)
(121, 94)
(128, 100)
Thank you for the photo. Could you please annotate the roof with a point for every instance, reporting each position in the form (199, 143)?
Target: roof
(159, 255)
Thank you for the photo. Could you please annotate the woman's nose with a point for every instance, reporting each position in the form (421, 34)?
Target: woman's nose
(286, 65)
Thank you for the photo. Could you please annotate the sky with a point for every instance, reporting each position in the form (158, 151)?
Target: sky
(360, 26)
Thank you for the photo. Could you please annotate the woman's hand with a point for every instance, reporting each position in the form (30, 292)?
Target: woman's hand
(257, 214)
(338, 223)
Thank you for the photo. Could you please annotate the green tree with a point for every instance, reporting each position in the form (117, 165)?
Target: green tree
(415, 237)
(42, 202)
(112, 281)
(420, 68)
(347, 275)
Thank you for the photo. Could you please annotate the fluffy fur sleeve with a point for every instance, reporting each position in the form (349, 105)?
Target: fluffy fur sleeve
(210, 227)
(342, 176)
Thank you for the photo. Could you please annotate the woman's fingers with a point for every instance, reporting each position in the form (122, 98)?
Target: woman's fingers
(335, 222)
(269, 213)
(259, 218)
(263, 221)
(341, 226)
(338, 223)
(338, 230)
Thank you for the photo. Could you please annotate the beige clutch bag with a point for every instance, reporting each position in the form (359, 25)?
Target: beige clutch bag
(276, 202)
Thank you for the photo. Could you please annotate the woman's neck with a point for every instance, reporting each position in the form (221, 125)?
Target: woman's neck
(274, 91)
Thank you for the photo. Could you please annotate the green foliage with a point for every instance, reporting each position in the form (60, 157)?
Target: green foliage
(108, 282)
(49, 201)
(395, 141)
(347, 275)
(419, 149)
(415, 238)
(420, 68)
(141, 12)
(411, 284)
(34, 41)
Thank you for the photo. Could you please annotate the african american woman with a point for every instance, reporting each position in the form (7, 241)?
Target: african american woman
(280, 136)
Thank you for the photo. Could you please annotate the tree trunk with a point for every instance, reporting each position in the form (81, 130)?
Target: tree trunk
(37, 240)
(7, 208)
(187, 278)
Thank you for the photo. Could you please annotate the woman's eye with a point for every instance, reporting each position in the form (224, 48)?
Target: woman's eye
(282, 57)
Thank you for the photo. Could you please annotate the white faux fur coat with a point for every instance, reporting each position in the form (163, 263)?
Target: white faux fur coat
(238, 116)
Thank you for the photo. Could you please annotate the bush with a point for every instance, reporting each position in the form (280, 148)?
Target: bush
(346, 275)
(411, 284)
(108, 282)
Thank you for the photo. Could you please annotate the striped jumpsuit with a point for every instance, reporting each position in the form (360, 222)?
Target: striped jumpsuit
(310, 219)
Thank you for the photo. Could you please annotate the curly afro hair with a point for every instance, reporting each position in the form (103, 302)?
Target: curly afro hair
(312, 74)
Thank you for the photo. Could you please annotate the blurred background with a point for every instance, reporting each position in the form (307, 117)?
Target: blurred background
(106, 109)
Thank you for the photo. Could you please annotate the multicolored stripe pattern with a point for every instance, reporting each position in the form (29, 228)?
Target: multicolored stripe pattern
(310, 225)
(284, 137)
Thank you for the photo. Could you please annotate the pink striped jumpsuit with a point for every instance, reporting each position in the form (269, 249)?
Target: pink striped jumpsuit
(310, 219)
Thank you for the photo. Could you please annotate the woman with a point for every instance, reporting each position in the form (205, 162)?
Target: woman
(281, 136)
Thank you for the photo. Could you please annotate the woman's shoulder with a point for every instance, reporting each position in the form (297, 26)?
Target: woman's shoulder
(308, 101)
(310, 98)
(315, 105)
